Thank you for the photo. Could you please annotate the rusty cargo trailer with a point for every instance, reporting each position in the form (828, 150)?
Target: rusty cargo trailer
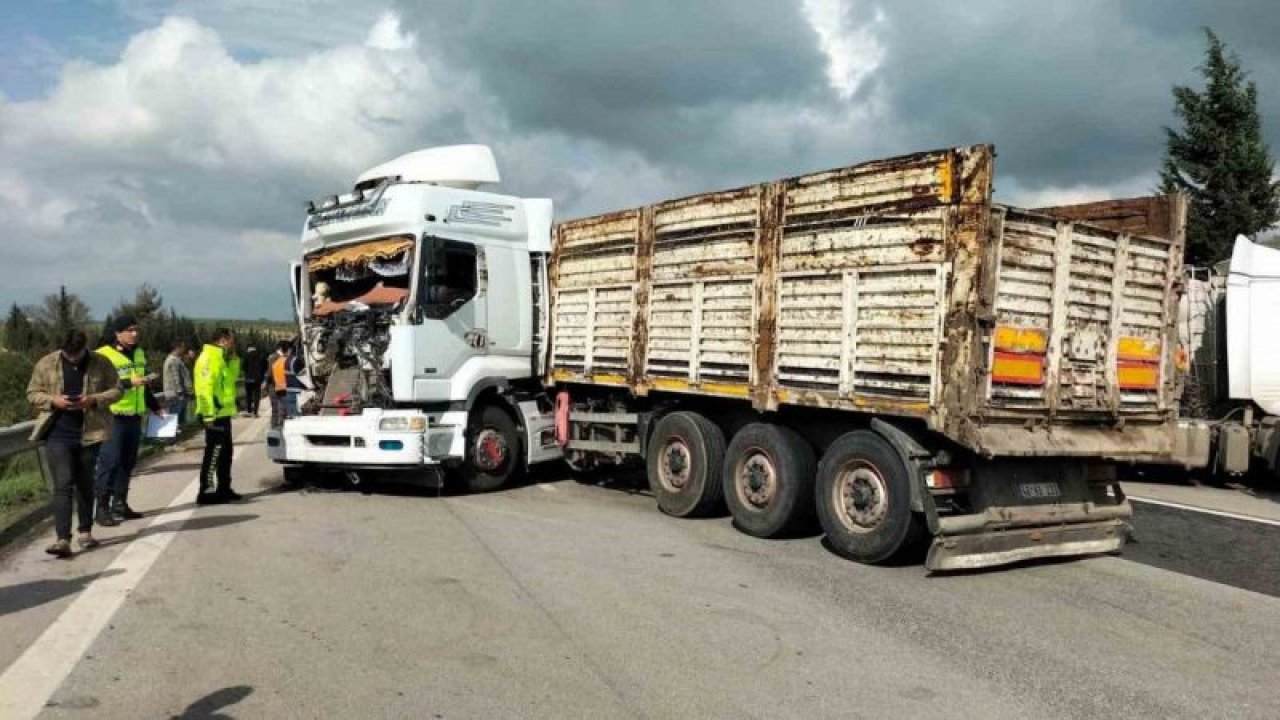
(880, 345)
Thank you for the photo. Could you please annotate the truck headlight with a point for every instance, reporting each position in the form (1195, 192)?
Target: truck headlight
(416, 423)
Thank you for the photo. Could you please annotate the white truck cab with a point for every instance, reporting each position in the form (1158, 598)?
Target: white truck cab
(421, 309)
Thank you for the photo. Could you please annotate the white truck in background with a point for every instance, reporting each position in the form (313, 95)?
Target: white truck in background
(880, 347)
(1229, 326)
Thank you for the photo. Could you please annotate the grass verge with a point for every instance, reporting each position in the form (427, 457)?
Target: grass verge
(22, 488)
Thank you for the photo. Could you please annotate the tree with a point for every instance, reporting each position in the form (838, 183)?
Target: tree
(146, 302)
(1219, 158)
(57, 313)
(15, 371)
(20, 335)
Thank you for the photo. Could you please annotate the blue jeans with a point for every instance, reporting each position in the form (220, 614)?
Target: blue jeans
(291, 403)
(178, 408)
(118, 456)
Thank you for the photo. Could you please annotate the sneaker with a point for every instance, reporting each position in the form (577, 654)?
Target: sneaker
(129, 513)
(60, 548)
(87, 541)
(208, 498)
(230, 495)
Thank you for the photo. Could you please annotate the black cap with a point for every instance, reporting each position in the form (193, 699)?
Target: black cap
(122, 323)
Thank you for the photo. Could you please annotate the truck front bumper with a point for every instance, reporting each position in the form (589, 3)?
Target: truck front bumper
(366, 441)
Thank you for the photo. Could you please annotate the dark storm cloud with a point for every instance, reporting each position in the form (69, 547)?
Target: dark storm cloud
(1070, 93)
(628, 74)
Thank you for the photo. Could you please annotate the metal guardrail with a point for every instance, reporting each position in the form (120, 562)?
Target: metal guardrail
(16, 438)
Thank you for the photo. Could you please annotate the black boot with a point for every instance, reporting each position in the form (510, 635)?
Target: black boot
(126, 512)
(206, 496)
(117, 509)
(229, 495)
(103, 516)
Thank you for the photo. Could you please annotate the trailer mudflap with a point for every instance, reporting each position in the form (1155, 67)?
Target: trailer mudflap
(1002, 547)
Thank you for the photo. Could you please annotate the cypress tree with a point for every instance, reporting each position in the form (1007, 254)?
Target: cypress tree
(1219, 159)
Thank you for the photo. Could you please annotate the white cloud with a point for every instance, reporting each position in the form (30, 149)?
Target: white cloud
(178, 98)
(853, 50)
(179, 151)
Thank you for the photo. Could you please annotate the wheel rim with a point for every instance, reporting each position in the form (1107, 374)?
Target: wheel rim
(756, 479)
(860, 496)
(675, 465)
(490, 450)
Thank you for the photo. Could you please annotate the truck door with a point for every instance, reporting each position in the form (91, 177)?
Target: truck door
(295, 284)
(452, 305)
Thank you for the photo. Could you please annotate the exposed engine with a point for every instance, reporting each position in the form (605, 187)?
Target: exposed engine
(346, 352)
(357, 290)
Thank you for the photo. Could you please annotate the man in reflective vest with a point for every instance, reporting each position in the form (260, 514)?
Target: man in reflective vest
(217, 377)
(120, 451)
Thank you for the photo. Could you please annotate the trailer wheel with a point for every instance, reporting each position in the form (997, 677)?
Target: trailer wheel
(493, 450)
(768, 479)
(686, 453)
(864, 499)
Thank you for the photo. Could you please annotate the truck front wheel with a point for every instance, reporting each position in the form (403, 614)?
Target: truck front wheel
(864, 499)
(686, 453)
(768, 480)
(493, 450)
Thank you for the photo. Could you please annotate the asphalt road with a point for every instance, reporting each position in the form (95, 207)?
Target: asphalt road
(564, 600)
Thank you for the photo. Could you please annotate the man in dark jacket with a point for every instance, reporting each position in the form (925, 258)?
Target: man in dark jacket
(120, 452)
(254, 367)
(71, 389)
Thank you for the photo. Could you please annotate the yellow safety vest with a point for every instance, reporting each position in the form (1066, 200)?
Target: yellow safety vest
(133, 401)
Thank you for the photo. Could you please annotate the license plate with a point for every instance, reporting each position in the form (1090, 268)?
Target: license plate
(1040, 491)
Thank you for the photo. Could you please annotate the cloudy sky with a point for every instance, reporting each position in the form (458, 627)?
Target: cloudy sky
(175, 141)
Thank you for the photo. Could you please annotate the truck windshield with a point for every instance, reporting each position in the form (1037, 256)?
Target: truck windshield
(373, 273)
(449, 277)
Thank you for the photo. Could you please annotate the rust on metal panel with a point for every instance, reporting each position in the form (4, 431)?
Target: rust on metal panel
(1119, 278)
(831, 401)
(969, 222)
(1151, 216)
(1058, 319)
(772, 213)
(1177, 222)
(553, 270)
(1131, 441)
(643, 287)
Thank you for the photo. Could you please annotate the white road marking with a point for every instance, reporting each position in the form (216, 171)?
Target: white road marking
(1207, 511)
(547, 487)
(27, 685)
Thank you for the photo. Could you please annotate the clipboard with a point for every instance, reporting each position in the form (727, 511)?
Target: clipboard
(162, 428)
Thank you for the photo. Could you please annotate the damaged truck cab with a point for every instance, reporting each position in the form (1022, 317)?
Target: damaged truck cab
(418, 323)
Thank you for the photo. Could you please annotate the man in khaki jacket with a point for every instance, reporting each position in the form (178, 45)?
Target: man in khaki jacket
(72, 388)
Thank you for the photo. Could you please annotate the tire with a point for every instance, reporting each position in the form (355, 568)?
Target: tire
(882, 526)
(768, 480)
(684, 460)
(493, 450)
(294, 476)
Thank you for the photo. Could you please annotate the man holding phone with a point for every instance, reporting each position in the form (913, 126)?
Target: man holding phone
(71, 389)
(120, 451)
